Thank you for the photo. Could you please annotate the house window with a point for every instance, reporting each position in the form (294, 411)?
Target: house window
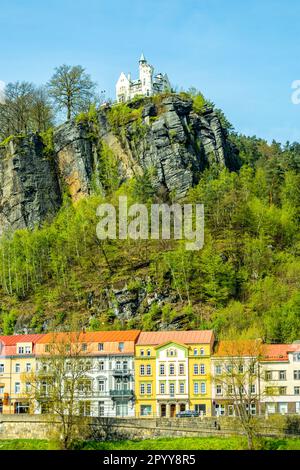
(121, 347)
(83, 347)
(172, 369)
(142, 389)
(28, 387)
(27, 349)
(296, 390)
(196, 369)
(181, 369)
(149, 389)
(100, 348)
(296, 357)
(20, 350)
(118, 365)
(101, 365)
(230, 389)
(17, 367)
(218, 370)
(201, 352)
(296, 374)
(85, 408)
(219, 389)
(1, 389)
(162, 388)
(195, 352)
(101, 385)
(253, 389)
(268, 375)
(241, 369)
(47, 348)
(142, 352)
(28, 367)
(220, 410)
(146, 410)
(142, 370)
(181, 387)
(17, 387)
(101, 408)
(148, 352)
(172, 390)
(228, 368)
(203, 388)
(282, 375)
(148, 369)
(230, 410)
(1, 368)
(162, 369)
(196, 388)
(202, 369)
(282, 390)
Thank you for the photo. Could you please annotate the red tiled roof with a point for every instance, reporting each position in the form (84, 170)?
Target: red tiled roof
(276, 352)
(183, 337)
(12, 340)
(91, 337)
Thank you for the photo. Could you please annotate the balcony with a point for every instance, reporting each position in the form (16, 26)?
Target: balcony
(121, 372)
(121, 393)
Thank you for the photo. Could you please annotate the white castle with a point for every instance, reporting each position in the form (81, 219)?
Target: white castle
(147, 84)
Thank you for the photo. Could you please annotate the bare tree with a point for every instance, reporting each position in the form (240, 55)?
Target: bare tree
(237, 372)
(24, 108)
(72, 89)
(60, 387)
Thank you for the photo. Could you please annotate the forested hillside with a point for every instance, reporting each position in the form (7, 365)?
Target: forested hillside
(245, 278)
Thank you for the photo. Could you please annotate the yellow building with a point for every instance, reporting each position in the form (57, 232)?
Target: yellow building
(17, 359)
(172, 373)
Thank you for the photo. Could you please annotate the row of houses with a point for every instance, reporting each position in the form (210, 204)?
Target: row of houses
(147, 374)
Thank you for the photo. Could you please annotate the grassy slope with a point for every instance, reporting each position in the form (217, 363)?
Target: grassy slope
(206, 443)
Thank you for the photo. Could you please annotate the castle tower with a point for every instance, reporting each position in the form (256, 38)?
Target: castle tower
(146, 76)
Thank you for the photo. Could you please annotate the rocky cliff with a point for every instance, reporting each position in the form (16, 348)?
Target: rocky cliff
(161, 134)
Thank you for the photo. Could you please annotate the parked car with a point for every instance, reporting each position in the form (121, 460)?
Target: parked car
(187, 414)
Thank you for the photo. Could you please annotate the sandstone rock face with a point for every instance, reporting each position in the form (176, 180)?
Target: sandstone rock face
(75, 159)
(29, 190)
(170, 140)
(175, 143)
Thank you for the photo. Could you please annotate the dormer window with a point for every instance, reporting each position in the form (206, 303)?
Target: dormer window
(121, 347)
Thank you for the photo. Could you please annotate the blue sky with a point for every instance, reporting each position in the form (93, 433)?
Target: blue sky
(243, 55)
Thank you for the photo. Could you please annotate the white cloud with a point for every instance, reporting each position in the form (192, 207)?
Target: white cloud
(2, 86)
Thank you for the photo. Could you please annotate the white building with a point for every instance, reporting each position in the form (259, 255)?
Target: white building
(280, 378)
(147, 84)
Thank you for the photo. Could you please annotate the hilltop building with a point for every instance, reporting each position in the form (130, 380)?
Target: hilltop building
(147, 84)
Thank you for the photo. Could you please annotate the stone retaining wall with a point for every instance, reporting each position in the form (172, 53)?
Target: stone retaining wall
(40, 427)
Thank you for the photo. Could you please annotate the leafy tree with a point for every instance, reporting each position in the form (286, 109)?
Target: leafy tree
(72, 89)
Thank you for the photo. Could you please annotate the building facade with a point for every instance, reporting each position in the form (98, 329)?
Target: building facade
(147, 84)
(280, 379)
(17, 360)
(109, 377)
(154, 374)
(172, 370)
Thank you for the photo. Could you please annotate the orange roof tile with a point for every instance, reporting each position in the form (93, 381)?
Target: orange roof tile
(230, 348)
(276, 352)
(12, 340)
(183, 337)
(92, 337)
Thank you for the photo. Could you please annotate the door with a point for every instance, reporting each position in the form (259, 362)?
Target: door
(163, 411)
(172, 410)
